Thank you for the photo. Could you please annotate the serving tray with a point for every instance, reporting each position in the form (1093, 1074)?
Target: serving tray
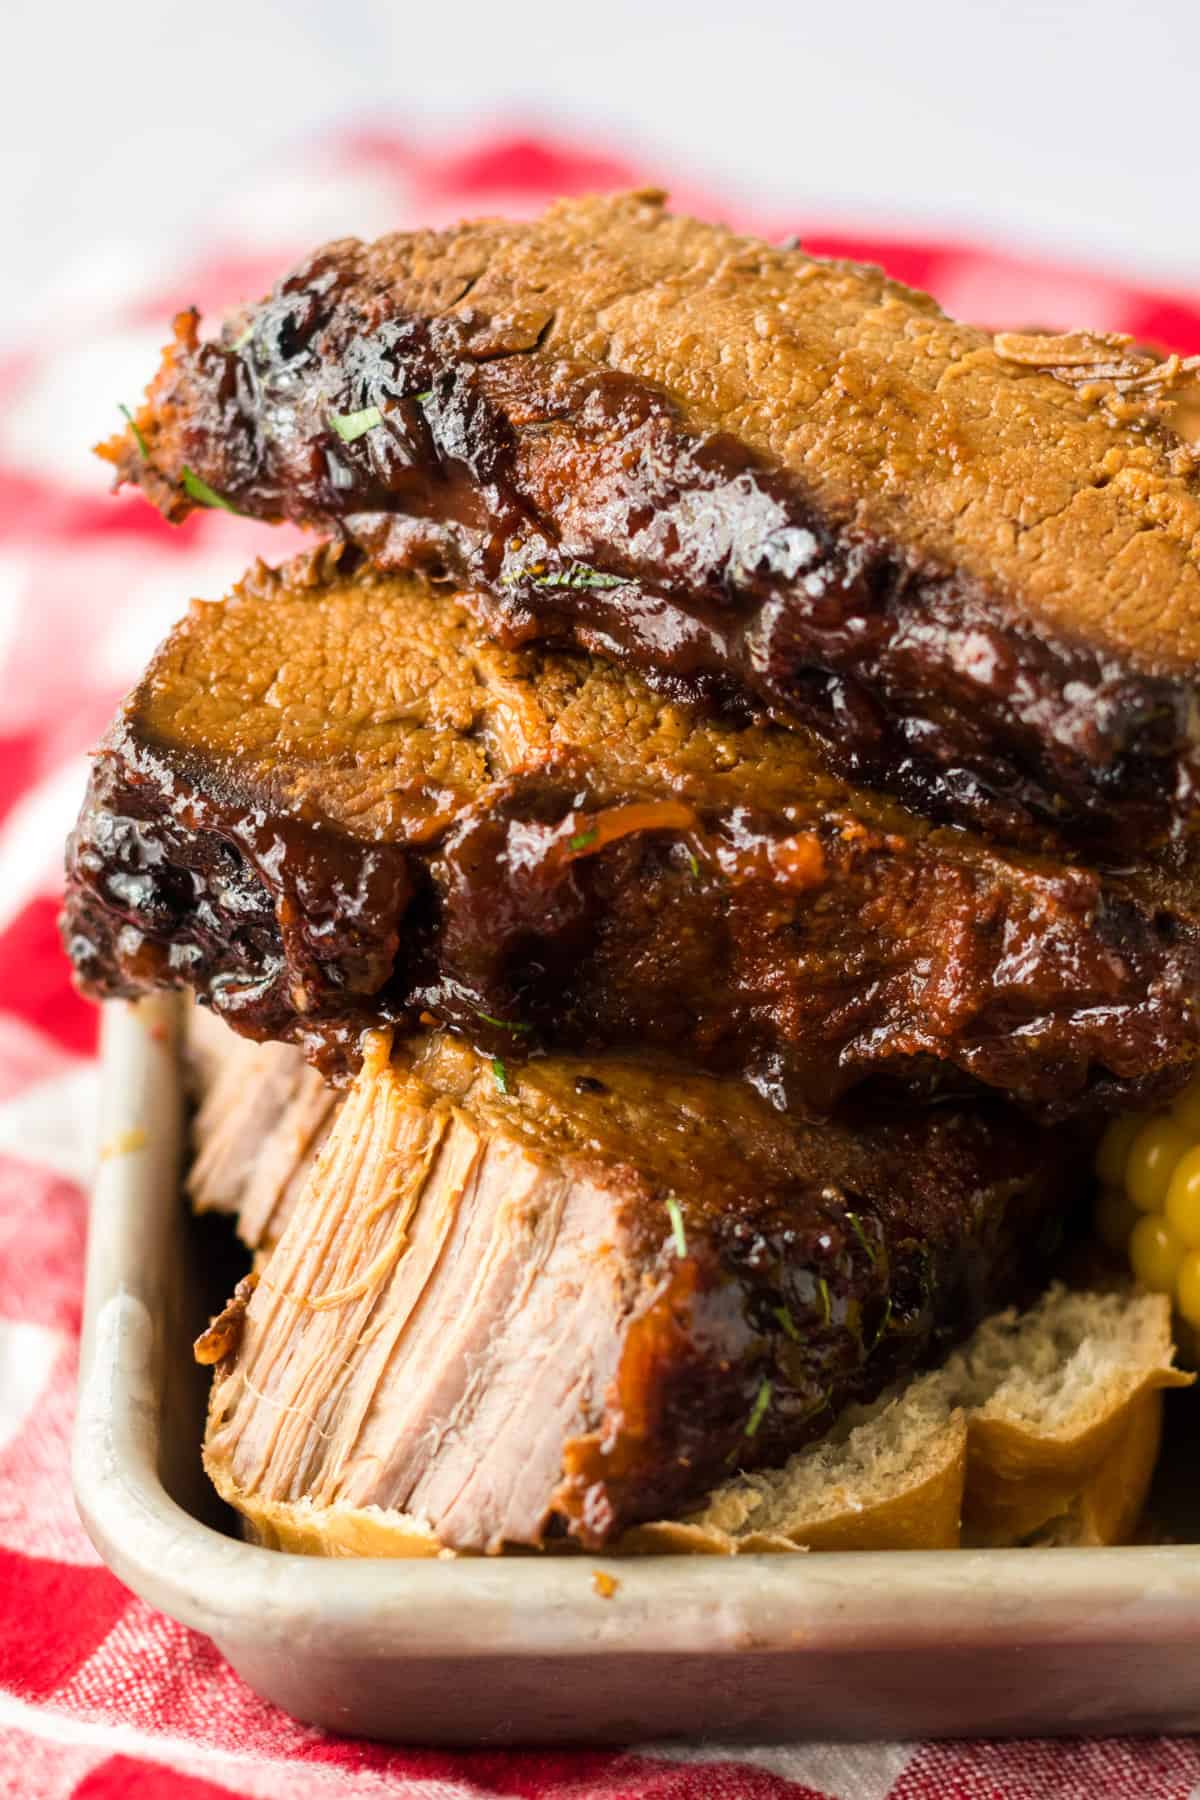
(534, 1649)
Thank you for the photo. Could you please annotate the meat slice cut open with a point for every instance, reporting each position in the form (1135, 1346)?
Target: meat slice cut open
(261, 1116)
(565, 1300)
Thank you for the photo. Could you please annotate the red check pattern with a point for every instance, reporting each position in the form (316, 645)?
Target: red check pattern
(100, 1697)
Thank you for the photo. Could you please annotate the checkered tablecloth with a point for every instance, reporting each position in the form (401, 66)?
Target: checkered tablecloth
(100, 1696)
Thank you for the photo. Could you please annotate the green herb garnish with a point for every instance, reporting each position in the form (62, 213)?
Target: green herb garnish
(350, 426)
(675, 1214)
(826, 1302)
(786, 1320)
(200, 490)
(884, 1322)
(243, 337)
(422, 398)
(582, 839)
(577, 575)
(138, 439)
(503, 1024)
(761, 1402)
(855, 1224)
(500, 1074)
(693, 864)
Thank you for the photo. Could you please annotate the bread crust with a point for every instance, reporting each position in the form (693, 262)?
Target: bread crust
(925, 1516)
(1110, 1506)
(1018, 1480)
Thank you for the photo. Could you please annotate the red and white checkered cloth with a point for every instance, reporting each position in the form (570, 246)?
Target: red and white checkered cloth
(100, 1696)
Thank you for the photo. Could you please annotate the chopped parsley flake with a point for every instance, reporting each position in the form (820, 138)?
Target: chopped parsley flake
(350, 426)
(576, 575)
(826, 1303)
(789, 1324)
(855, 1224)
(503, 1024)
(243, 337)
(138, 438)
(200, 490)
(675, 1215)
(693, 864)
(884, 1322)
(761, 1402)
(422, 398)
(582, 839)
(500, 1074)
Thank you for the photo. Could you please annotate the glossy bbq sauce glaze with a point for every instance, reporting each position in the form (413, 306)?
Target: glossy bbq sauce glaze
(579, 506)
(857, 1252)
(332, 803)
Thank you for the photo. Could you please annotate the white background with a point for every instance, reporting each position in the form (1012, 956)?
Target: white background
(1072, 125)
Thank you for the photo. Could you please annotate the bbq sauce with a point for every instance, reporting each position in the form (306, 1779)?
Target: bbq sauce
(580, 508)
(546, 912)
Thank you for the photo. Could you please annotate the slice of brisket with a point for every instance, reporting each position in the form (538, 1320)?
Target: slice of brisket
(333, 802)
(577, 1297)
(261, 1116)
(971, 564)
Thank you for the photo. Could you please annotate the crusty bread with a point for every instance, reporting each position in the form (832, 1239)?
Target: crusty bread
(1065, 1413)
(1043, 1429)
(337, 1530)
(1050, 1416)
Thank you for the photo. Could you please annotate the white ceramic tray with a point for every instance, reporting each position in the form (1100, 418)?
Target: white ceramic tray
(525, 1650)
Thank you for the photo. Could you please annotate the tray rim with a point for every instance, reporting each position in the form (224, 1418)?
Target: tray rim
(528, 1606)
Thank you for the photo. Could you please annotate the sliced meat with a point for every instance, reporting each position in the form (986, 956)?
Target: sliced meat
(333, 803)
(970, 563)
(574, 1298)
(262, 1117)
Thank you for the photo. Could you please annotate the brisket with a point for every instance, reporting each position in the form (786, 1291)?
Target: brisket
(577, 1297)
(970, 564)
(333, 803)
(261, 1116)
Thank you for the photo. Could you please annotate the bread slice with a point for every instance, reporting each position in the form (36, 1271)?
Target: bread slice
(1046, 1421)
(888, 1477)
(1043, 1430)
(1065, 1409)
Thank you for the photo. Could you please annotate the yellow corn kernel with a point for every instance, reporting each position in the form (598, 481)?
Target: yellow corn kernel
(1187, 1288)
(1182, 1204)
(1114, 1217)
(1155, 1150)
(1113, 1153)
(1186, 1107)
(1155, 1254)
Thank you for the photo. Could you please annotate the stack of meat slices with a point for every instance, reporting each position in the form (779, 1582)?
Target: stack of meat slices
(719, 816)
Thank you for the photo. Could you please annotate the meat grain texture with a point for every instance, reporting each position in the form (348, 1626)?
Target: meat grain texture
(574, 1302)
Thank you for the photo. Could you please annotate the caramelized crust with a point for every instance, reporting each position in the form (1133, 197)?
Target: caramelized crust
(333, 802)
(972, 565)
